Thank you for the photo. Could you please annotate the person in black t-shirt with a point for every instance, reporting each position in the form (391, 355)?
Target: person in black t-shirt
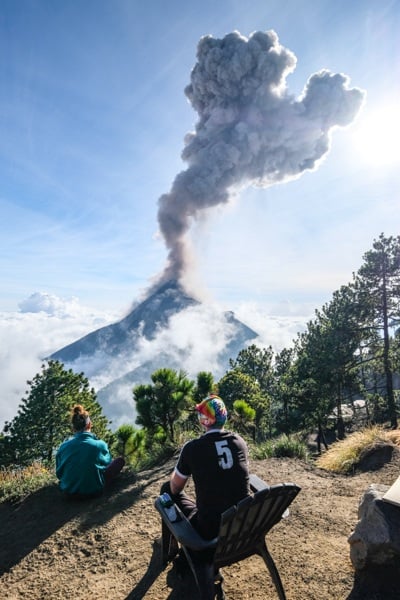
(218, 463)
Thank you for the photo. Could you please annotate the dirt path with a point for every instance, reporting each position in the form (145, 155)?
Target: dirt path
(108, 548)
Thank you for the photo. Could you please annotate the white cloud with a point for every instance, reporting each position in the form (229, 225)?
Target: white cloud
(50, 304)
(195, 337)
(44, 324)
(277, 326)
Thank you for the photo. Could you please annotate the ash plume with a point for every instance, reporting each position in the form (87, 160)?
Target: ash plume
(250, 131)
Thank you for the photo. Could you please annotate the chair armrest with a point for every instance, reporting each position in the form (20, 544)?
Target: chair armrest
(256, 483)
(183, 530)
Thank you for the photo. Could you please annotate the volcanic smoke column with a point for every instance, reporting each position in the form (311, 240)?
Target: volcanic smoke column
(250, 131)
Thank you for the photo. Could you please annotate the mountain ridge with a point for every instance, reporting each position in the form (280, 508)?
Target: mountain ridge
(164, 330)
(167, 299)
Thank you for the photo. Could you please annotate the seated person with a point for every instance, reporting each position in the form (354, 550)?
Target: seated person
(218, 463)
(83, 463)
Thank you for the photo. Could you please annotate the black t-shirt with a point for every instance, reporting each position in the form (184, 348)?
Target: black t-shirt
(218, 463)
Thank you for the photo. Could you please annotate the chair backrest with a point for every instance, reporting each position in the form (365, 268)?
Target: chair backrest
(244, 527)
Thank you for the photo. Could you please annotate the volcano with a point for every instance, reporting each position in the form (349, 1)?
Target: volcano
(120, 338)
(168, 329)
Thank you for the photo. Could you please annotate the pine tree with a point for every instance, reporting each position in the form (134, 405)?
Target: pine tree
(161, 403)
(43, 420)
(378, 283)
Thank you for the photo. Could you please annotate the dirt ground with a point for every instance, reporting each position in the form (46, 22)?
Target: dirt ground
(108, 548)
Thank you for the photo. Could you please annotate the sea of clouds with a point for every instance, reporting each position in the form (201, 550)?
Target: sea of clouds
(45, 323)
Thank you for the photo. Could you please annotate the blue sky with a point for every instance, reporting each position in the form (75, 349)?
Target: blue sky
(93, 117)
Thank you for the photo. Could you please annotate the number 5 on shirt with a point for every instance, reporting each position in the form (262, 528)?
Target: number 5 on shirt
(225, 455)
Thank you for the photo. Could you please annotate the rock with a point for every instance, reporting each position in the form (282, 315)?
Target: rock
(376, 538)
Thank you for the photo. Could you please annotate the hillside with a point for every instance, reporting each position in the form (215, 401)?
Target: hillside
(108, 548)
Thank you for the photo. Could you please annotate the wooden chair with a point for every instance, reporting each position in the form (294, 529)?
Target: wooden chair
(242, 533)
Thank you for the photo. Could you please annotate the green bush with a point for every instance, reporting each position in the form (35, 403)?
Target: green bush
(16, 483)
(290, 446)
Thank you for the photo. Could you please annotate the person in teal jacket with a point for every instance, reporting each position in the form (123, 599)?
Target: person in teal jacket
(83, 463)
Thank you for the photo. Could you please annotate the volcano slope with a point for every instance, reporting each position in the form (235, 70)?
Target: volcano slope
(108, 548)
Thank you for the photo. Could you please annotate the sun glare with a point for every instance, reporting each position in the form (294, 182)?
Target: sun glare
(376, 136)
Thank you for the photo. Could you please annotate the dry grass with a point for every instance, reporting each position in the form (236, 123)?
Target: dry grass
(345, 455)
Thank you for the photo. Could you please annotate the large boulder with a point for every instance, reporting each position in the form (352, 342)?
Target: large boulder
(376, 537)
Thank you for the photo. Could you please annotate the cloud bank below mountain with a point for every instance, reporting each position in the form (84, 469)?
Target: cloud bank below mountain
(46, 322)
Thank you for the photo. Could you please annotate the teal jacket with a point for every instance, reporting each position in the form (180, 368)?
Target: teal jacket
(80, 464)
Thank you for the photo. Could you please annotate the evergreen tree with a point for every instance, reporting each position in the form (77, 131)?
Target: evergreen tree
(378, 286)
(341, 330)
(130, 443)
(312, 390)
(204, 385)
(161, 403)
(243, 417)
(237, 385)
(258, 364)
(285, 416)
(327, 360)
(43, 420)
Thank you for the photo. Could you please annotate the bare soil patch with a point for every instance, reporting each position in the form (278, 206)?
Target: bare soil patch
(108, 548)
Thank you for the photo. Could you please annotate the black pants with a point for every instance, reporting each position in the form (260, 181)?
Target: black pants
(207, 527)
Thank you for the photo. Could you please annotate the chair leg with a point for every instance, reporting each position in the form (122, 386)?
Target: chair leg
(204, 576)
(273, 571)
(169, 545)
(218, 589)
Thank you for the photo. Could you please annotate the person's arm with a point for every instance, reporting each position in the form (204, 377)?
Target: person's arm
(182, 470)
(58, 465)
(177, 482)
(104, 453)
(61, 458)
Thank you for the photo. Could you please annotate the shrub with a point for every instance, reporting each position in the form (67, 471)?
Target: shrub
(16, 483)
(284, 446)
